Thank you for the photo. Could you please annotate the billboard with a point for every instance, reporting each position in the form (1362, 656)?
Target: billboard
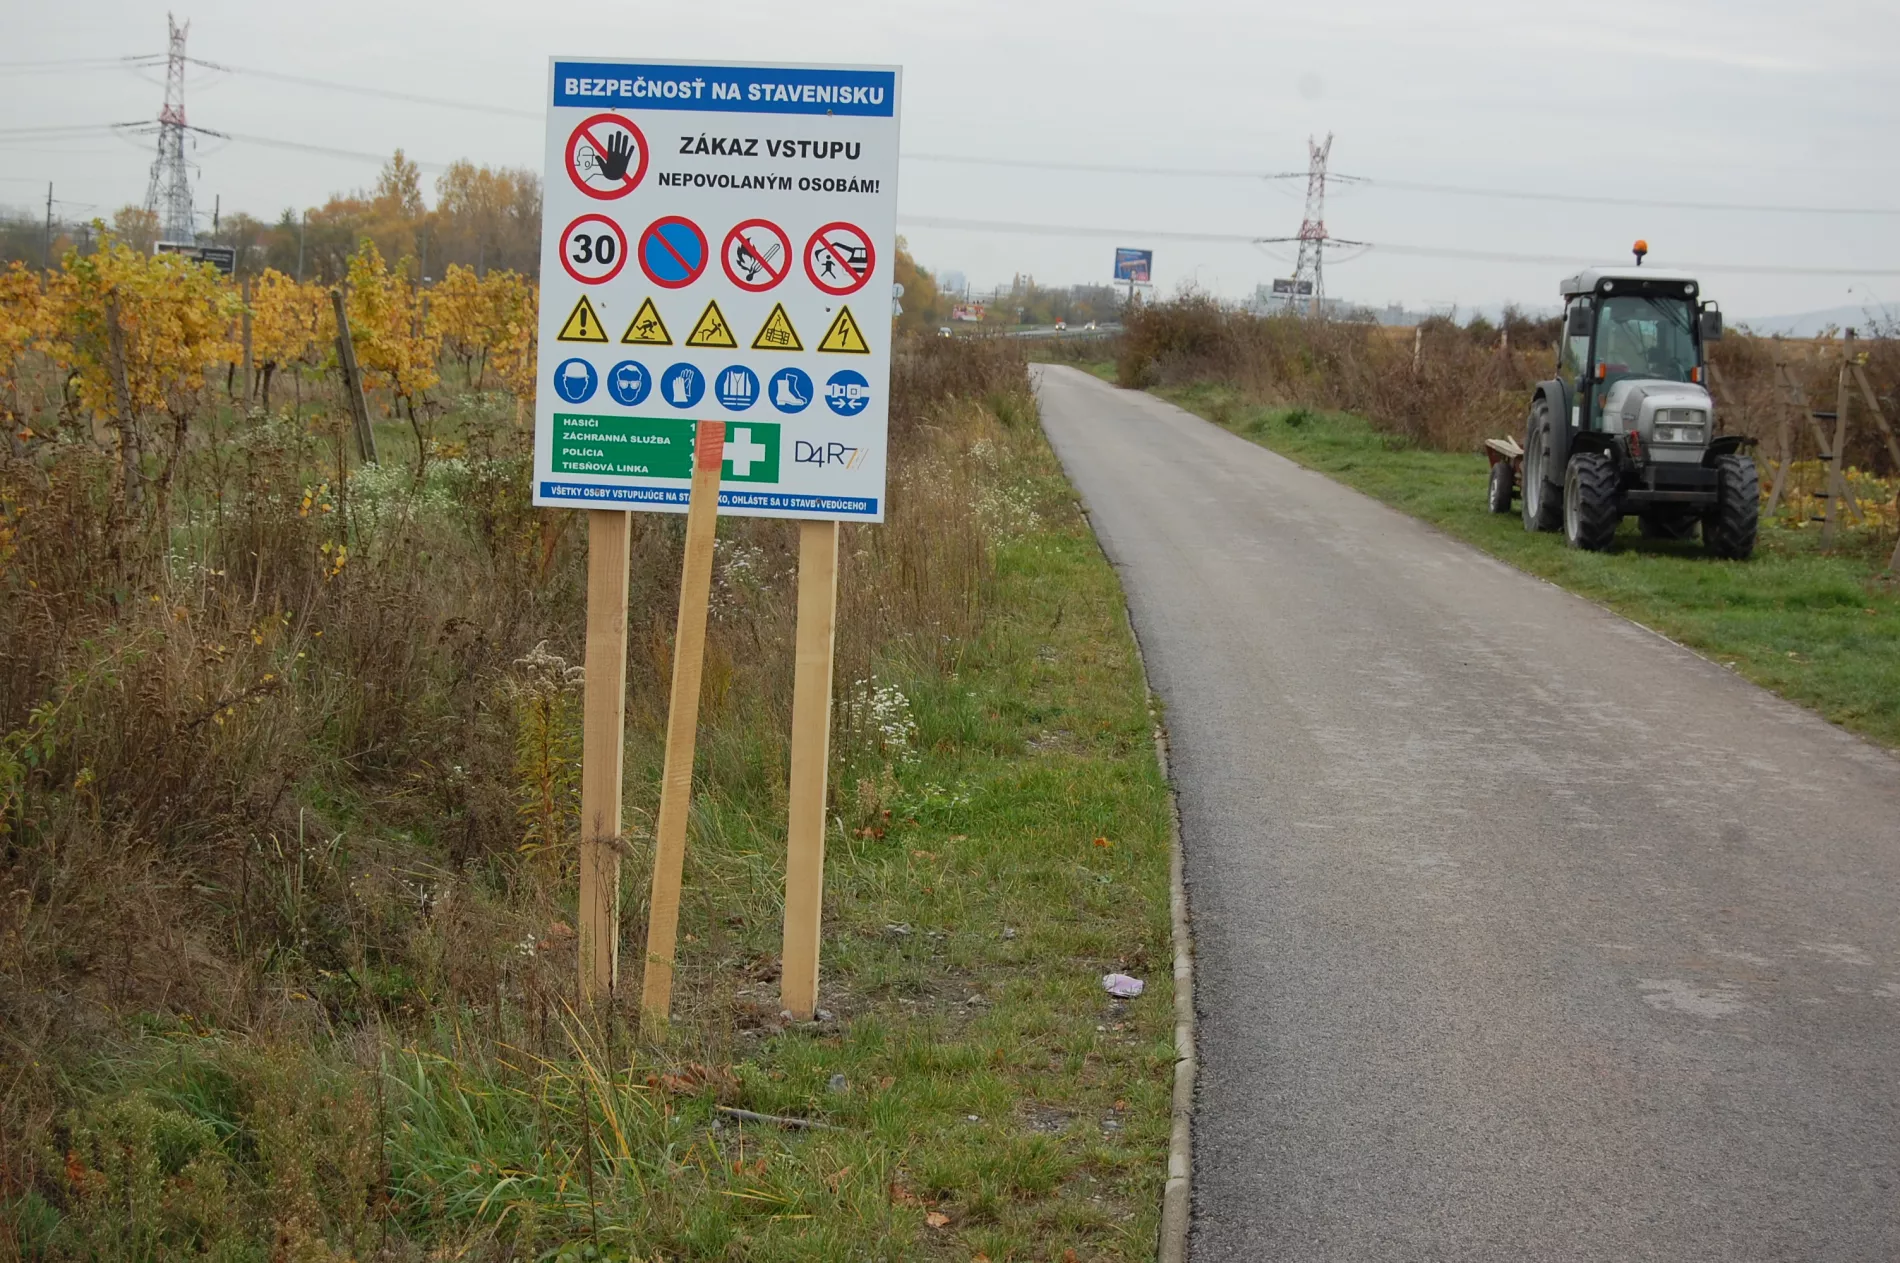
(1133, 265)
(1290, 285)
(970, 313)
(223, 258)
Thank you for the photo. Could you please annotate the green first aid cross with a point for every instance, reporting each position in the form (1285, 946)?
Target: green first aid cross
(659, 447)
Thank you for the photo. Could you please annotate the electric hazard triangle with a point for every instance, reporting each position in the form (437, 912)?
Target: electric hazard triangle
(583, 324)
(844, 335)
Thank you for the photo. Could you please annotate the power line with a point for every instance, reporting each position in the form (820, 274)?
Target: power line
(1426, 252)
(388, 94)
(1408, 186)
(1215, 173)
(1765, 208)
(41, 133)
(78, 63)
(1092, 168)
(331, 151)
(1037, 164)
(279, 76)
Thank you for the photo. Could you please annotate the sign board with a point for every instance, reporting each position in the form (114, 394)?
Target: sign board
(1133, 265)
(1289, 285)
(709, 234)
(223, 258)
(970, 313)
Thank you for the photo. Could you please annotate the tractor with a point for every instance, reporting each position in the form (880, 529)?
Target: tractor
(1628, 424)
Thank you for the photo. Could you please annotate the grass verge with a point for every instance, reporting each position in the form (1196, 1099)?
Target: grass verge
(388, 1066)
(1820, 628)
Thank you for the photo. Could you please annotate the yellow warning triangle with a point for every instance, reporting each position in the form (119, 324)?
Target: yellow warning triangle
(777, 334)
(646, 328)
(844, 335)
(712, 329)
(583, 324)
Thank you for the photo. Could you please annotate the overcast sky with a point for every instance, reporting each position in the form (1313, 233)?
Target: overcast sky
(1714, 101)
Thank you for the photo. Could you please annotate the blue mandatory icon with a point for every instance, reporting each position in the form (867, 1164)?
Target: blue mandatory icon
(682, 386)
(790, 390)
(628, 382)
(846, 393)
(575, 380)
(738, 388)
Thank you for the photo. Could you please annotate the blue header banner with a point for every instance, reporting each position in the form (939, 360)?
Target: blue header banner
(725, 89)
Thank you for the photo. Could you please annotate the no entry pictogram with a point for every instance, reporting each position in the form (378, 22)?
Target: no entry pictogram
(756, 255)
(673, 252)
(839, 258)
(593, 249)
(606, 157)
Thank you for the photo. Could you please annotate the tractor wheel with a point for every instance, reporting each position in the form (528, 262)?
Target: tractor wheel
(1501, 490)
(1729, 529)
(1542, 511)
(1590, 512)
(1665, 525)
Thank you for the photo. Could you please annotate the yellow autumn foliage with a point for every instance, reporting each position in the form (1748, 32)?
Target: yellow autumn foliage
(22, 325)
(1803, 502)
(479, 320)
(393, 344)
(176, 319)
(290, 323)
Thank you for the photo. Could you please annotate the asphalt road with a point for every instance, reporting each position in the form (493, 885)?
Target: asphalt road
(1521, 932)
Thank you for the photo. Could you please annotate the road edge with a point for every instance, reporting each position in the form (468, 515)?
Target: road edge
(1175, 1194)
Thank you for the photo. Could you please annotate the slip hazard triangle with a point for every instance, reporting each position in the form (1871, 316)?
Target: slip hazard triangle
(712, 329)
(844, 335)
(646, 328)
(583, 324)
(777, 334)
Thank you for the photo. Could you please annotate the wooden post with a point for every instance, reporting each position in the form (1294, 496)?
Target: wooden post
(1837, 464)
(682, 721)
(1785, 433)
(1893, 446)
(250, 370)
(1880, 417)
(603, 748)
(352, 380)
(130, 456)
(811, 754)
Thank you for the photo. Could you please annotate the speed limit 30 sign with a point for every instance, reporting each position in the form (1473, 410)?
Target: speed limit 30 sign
(593, 249)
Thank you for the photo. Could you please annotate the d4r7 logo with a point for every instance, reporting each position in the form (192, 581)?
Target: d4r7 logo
(823, 454)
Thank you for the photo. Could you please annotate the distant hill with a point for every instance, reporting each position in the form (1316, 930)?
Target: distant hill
(1811, 324)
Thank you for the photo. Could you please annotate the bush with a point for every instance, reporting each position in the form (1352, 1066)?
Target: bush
(1450, 387)
(291, 747)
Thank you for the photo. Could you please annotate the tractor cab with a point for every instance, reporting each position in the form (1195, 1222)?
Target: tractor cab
(1634, 351)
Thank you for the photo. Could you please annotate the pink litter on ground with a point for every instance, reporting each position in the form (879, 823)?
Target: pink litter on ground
(1121, 986)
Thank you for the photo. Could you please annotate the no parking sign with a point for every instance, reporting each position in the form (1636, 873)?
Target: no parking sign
(726, 227)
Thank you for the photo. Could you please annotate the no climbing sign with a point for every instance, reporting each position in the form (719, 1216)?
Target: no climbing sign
(705, 228)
